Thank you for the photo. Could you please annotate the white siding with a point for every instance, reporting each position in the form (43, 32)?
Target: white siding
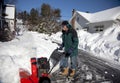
(105, 25)
(10, 11)
(118, 17)
(81, 21)
(10, 18)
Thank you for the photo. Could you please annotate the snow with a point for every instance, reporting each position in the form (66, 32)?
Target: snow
(85, 15)
(103, 44)
(16, 54)
(108, 14)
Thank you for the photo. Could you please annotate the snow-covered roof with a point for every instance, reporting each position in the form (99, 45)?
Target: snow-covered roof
(105, 15)
(85, 15)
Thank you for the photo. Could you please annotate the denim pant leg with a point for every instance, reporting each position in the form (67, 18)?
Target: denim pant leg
(73, 62)
(64, 62)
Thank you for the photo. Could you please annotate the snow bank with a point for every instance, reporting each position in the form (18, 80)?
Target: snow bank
(105, 45)
(17, 53)
(14, 55)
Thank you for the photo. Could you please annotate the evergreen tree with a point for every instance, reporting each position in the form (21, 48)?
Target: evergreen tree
(45, 10)
(23, 15)
(57, 13)
(34, 16)
(44, 20)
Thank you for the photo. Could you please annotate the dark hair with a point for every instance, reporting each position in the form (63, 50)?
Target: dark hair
(65, 23)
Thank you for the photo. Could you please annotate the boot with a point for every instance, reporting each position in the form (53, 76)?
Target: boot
(72, 73)
(64, 71)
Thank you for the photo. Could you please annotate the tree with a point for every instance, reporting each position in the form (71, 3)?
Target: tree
(43, 20)
(24, 15)
(56, 13)
(34, 16)
(45, 10)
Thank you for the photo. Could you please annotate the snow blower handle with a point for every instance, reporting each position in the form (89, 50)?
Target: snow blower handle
(55, 57)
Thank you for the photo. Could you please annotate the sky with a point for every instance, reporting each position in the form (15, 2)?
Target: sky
(67, 6)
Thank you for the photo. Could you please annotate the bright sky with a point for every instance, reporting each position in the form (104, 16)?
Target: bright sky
(66, 6)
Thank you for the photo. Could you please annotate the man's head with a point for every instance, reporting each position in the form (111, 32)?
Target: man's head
(65, 25)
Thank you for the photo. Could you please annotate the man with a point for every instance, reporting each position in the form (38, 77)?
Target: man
(70, 44)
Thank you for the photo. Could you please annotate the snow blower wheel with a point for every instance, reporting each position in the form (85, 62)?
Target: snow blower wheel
(44, 80)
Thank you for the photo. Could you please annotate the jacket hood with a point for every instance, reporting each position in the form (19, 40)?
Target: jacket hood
(67, 24)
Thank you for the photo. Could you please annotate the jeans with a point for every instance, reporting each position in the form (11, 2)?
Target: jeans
(73, 62)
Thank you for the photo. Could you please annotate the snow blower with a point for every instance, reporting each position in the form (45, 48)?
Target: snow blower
(40, 69)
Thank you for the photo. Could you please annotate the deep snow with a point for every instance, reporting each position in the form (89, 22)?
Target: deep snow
(16, 54)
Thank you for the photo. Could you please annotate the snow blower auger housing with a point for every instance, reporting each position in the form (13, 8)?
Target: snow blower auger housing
(39, 71)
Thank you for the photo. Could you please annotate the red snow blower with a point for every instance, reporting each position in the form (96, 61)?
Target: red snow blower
(40, 69)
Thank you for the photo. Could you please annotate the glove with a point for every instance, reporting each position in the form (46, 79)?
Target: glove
(67, 54)
(61, 47)
(70, 50)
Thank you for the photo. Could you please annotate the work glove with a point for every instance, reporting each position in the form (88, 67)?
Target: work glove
(60, 47)
(69, 52)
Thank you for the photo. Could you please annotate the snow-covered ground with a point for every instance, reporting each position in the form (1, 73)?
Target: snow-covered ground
(105, 45)
(16, 54)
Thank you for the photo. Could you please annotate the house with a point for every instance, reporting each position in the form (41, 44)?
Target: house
(7, 21)
(96, 22)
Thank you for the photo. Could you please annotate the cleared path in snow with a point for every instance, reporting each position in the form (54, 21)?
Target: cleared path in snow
(99, 67)
(91, 70)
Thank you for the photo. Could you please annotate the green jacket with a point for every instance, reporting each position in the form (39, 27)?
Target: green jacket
(70, 41)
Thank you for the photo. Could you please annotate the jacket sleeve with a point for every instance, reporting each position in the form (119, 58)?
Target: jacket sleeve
(74, 39)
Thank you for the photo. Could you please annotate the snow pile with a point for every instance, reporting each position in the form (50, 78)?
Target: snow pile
(17, 53)
(105, 45)
(57, 38)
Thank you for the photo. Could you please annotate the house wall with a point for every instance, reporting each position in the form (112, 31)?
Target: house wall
(99, 27)
(81, 21)
(72, 22)
(10, 18)
(118, 17)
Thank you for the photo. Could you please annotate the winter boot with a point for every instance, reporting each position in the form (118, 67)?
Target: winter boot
(72, 73)
(64, 71)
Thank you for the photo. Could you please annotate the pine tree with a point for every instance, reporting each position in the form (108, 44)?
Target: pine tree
(34, 16)
(45, 10)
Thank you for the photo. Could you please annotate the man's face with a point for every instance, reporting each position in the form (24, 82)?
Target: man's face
(64, 28)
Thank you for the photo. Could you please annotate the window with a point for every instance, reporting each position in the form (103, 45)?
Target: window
(77, 19)
(86, 28)
(99, 28)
